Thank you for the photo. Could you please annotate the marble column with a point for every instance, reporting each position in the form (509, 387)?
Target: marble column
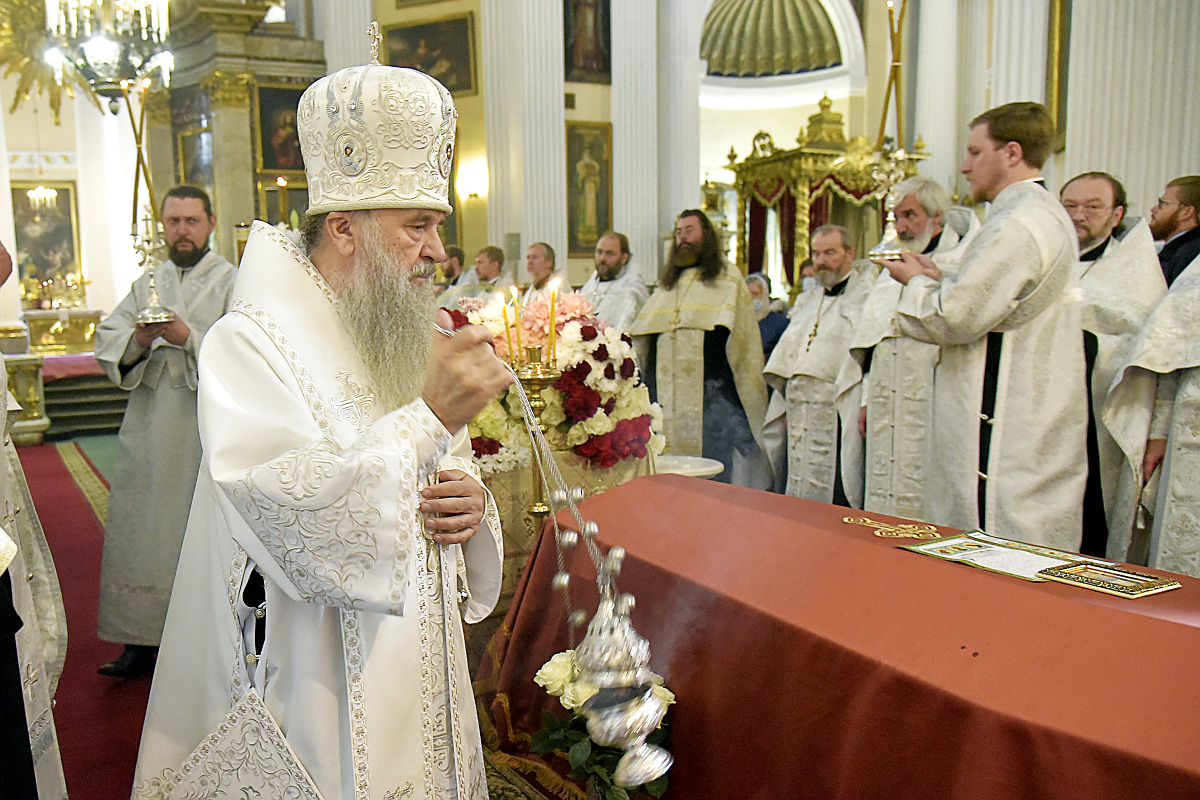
(635, 131)
(523, 111)
(233, 156)
(936, 117)
(498, 29)
(10, 298)
(680, 70)
(543, 128)
(1019, 34)
(1130, 103)
(104, 189)
(343, 27)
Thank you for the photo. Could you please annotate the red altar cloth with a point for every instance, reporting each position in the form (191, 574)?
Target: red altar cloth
(811, 658)
(69, 366)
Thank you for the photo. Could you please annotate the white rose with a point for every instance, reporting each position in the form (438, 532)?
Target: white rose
(558, 673)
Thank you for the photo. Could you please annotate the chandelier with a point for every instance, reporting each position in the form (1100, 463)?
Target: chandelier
(110, 44)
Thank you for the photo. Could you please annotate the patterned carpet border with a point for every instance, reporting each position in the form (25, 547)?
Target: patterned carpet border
(84, 474)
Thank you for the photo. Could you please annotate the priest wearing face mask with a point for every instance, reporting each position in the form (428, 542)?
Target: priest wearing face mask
(823, 455)
(771, 324)
(885, 388)
(701, 356)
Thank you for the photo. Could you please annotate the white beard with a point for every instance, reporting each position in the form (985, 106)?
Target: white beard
(388, 318)
(917, 244)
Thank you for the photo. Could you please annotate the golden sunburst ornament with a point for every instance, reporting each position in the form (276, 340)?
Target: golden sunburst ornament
(23, 41)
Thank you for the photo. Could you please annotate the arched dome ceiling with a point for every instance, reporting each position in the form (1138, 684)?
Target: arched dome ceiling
(754, 38)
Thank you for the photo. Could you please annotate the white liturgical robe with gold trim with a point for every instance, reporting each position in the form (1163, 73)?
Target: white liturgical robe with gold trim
(305, 479)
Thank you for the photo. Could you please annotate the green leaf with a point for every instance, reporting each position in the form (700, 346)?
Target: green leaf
(579, 752)
(656, 787)
(541, 742)
(615, 793)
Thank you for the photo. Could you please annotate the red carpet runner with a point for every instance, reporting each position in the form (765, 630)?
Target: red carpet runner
(99, 719)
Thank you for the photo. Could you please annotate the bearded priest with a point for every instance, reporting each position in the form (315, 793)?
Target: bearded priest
(339, 533)
(885, 388)
(701, 354)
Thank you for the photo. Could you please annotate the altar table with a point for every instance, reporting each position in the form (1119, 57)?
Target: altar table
(812, 658)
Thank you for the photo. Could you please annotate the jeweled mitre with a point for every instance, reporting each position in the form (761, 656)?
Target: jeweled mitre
(377, 137)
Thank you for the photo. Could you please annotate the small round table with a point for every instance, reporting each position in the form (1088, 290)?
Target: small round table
(692, 466)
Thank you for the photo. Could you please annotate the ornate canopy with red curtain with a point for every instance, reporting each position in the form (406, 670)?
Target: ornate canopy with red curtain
(827, 179)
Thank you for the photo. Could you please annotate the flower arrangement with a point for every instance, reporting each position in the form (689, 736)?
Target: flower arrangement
(589, 761)
(598, 406)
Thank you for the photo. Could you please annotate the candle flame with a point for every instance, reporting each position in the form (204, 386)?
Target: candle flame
(281, 181)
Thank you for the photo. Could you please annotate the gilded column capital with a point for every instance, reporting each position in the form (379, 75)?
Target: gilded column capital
(158, 108)
(228, 89)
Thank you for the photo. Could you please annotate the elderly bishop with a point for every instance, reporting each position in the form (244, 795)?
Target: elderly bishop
(339, 534)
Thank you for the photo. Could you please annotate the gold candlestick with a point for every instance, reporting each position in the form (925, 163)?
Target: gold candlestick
(535, 376)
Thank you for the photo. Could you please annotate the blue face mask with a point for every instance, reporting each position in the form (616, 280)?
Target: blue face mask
(758, 306)
(808, 284)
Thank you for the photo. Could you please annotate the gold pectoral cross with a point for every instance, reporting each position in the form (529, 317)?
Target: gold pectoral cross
(812, 335)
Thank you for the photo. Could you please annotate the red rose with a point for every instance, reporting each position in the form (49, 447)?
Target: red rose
(627, 368)
(609, 405)
(601, 353)
(625, 338)
(459, 318)
(609, 372)
(580, 403)
(588, 332)
(483, 446)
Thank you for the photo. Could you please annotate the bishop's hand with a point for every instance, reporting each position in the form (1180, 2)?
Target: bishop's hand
(463, 374)
(453, 507)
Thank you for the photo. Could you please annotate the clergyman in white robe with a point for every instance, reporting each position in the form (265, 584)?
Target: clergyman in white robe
(619, 300)
(158, 448)
(898, 396)
(361, 688)
(1016, 294)
(803, 369)
(1167, 348)
(1120, 290)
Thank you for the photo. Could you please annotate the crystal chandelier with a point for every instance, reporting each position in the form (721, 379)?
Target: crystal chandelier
(108, 43)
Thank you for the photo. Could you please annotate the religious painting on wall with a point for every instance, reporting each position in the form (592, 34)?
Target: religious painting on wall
(589, 185)
(587, 37)
(195, 148)
(282, 203)
(276, 140)
(47, 244)
(443, 48)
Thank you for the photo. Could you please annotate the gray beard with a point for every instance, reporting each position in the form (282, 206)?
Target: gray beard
(918, 243)
(388, 318)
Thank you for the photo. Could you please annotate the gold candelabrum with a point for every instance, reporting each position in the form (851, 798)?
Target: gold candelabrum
(150, 250)
(889, 170)
(535, 376)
